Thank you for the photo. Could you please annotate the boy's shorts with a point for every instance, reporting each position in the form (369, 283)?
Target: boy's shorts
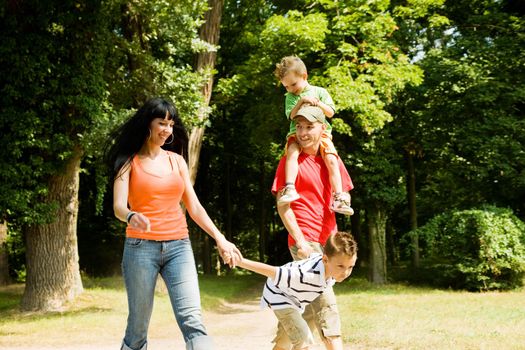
(292, 323)
(327, 146)
(323, 312)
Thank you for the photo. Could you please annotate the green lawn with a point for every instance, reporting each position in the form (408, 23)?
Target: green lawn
(403, 317)
(394, 316)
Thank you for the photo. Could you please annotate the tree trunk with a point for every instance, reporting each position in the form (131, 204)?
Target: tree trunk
(262, 210)
(207, 247)
(206, 255)
(209, 32)
(53, 274)
(377, 235)
(4, 263)
(390, 243)
(355, 222)
(228, 198)
(412, 208)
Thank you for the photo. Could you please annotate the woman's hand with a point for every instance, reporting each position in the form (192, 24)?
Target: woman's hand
(229, 252)
(140, 222)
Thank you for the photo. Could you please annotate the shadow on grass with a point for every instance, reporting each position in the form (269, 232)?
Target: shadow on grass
(114, 282)
(218, 292)
(10, 297)
(222, 294)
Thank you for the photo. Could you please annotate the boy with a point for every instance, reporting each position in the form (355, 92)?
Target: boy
(292, 73)
(291, 287)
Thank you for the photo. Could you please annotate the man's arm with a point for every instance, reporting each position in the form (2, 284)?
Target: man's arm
(290, 222)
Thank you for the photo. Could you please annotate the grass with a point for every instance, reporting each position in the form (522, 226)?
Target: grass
(397, 316)
(394, 316)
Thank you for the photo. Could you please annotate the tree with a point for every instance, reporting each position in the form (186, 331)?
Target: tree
(467, 116)
(152, 46)
(209, 33)
(349, 47)
(52, 67)
(4, 263)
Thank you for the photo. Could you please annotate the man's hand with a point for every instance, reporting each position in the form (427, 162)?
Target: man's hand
(303, 250)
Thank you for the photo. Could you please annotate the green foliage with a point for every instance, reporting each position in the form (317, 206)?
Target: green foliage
(51, 66)
(478, 249)
(16, 253)
(466, 119)
(153, 44)
(71, 72)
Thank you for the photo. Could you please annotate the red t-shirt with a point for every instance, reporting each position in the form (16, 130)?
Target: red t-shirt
(312, 210)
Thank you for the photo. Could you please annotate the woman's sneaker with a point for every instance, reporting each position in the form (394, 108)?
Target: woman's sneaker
(341, 204)
(288, 195)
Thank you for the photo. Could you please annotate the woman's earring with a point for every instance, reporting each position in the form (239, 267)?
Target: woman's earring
(172, 138)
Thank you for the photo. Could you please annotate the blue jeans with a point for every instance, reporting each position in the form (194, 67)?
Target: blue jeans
(142, 261)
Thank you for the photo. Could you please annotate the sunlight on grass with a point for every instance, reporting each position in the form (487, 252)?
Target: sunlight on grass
(98, 316)
(394, 316)
(403, 317)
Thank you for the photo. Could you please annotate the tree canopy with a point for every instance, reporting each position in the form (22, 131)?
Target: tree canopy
(429, 97)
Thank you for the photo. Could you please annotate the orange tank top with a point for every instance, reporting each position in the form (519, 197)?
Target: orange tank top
(158, 198)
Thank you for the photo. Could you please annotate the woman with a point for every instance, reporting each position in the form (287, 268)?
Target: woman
(150, 179)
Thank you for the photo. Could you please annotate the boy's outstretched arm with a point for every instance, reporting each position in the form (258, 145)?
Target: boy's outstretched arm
(259, 267)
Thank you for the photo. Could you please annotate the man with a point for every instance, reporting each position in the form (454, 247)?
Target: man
(309, 221)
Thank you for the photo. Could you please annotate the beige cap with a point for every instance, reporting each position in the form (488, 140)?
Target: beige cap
(311, 113)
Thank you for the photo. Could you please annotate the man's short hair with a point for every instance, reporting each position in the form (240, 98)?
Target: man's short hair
(289, 64)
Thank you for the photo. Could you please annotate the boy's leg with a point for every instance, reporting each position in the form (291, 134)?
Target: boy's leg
(332, 164)
(327, 319)
(281, 340)
(289, 193)
(341, 200)
(323, 313)
(296, 329)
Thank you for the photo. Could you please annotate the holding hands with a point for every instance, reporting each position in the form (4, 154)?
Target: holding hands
(228, 252)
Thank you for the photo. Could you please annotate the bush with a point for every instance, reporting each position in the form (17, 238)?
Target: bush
(479, 249)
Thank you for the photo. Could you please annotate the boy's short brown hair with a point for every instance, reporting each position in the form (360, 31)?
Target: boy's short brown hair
(289, 64)
(340, 243)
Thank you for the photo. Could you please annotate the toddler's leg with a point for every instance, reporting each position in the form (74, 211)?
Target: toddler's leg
(292, 165)
(333, 171)
(289, 193)
(341, 200)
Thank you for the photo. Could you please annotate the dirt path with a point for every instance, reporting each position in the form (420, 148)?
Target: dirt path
(234, 326)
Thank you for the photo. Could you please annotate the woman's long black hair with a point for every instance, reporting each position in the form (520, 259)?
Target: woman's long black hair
(127, 140)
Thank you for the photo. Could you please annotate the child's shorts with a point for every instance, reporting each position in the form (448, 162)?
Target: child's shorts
(298, 333)
(327, 146)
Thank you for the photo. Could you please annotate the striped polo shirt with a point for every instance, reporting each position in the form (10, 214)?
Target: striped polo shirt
(296, 284)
